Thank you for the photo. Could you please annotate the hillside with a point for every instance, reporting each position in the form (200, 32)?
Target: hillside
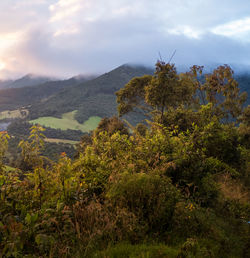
(14, 98)
(28, 80)
(5, 83)
(92, 98)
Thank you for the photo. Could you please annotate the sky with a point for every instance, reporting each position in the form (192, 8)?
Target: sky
(63, 38)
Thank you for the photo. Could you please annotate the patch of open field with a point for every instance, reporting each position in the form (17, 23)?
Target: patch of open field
(55, 140)
(11, 114)
(68, 122)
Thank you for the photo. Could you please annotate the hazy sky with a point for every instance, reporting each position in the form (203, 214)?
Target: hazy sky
(67, 37)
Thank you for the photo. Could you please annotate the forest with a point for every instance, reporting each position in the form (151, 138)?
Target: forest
(175, 185)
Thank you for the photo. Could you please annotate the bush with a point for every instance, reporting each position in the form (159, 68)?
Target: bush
(150, 197)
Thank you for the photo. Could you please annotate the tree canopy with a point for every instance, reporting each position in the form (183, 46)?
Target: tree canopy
(168, 90)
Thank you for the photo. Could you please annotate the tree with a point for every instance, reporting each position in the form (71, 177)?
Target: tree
(111, 126)
(166, 91)
(223, 92)
(133, 95)
(156, 93)
(31, 152)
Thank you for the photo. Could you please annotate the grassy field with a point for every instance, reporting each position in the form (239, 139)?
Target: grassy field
(55, 140)
(18, 113)
(68, 122)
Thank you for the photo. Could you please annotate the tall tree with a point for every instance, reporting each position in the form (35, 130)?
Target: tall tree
(156, 93)
(223, 92)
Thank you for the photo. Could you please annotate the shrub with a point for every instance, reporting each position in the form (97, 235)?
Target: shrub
(150, 197)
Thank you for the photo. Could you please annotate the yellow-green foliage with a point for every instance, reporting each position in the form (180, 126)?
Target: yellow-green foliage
(121, 188)
(68, 122)
(162, 184)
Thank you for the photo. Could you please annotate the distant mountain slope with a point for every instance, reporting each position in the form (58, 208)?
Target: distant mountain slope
(5, 83)
(244, 84)
(92, 98)
(17, 97)
(28, 80)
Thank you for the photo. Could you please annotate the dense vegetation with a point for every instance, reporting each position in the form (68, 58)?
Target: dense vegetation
(174, 186)
(20, 129)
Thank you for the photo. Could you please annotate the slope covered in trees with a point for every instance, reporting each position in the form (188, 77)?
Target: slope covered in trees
(14, 98)
(176, 186)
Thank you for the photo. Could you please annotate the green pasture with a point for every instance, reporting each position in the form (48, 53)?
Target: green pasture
(68, 121)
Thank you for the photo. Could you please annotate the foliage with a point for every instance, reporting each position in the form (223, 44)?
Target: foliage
(150, 197)
(165, 89)
(222, 90)
(177, 186)
(111, 126)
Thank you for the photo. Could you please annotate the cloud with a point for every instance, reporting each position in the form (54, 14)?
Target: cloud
(66, 37)
(64, 9)
(186, 31)
(238, 29)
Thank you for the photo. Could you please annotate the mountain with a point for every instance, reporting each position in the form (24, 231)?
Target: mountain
(14, 98)
(92, 98)
(5, 83)
(28, 80)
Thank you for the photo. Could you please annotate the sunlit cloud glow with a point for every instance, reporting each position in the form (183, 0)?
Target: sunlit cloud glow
(2, 65)
(8, 40)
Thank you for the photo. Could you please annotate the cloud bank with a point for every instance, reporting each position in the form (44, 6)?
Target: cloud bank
(67, 37)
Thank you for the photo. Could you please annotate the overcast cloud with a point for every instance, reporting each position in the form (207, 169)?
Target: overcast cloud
(68, 37)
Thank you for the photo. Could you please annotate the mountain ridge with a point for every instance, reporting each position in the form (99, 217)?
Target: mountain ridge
(12, 98)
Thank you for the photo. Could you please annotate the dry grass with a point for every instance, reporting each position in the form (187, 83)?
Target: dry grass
(11, 114)
(55, 140)
(233, 189)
